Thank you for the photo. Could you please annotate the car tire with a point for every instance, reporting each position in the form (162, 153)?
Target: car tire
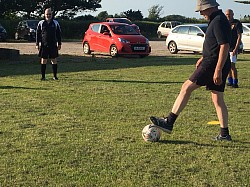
(16, 36)
(159, 35)
(86, 48)
(172, 47)
(113, 51)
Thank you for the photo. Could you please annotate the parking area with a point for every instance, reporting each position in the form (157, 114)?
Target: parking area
(75, 48)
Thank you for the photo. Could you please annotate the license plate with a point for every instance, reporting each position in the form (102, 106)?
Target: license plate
(139, 48)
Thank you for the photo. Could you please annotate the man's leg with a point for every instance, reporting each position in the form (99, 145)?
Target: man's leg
(54, 68)
(166, 124)
(181, 101)
(43, 67)
(230, 78)
(222, 114)
(234, 75)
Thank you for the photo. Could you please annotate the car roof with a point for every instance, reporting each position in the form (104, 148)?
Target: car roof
(110, 23)
(118, 18)
(196, 24)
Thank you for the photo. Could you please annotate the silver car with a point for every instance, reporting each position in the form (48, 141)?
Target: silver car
(246, 36)
(188, 37)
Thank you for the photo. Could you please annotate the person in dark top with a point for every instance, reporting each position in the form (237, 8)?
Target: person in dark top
(211, 70)
(237, 31)
(48, 42)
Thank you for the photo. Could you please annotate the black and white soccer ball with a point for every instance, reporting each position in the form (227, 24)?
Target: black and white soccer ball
(150, 133)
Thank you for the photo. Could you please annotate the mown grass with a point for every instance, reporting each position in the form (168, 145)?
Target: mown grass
(85, 129)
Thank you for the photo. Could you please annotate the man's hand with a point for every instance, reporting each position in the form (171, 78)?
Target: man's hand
(198, 62)
(217, 77)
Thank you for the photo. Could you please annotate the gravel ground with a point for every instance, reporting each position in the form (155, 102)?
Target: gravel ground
(75, 48)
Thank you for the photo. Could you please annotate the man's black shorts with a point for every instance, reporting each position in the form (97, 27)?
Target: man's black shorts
(48, 52)
(203, 76)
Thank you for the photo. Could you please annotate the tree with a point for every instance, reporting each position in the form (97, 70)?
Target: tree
(244, 2)
(102, 16)
(155, 12)
(133, 15)
(67, 8)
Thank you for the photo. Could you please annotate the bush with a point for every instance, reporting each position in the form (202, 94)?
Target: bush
(75, 29)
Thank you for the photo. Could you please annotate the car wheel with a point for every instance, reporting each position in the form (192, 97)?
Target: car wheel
(86, 48)
(159, 34)
(113, 51)
(172, 47)
(16, 36)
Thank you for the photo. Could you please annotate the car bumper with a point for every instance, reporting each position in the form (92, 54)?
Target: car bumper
(134, 49)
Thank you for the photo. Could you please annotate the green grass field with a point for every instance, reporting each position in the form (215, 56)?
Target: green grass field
(85, 129)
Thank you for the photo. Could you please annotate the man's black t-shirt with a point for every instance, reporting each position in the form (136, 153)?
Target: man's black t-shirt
(49, 34)
(218, 32)
(236, 27)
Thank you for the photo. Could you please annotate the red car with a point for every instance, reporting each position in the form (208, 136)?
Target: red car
(115, 39)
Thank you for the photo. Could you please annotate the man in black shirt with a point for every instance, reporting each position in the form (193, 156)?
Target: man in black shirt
(237, 31)
(48, 42)
(211, 70)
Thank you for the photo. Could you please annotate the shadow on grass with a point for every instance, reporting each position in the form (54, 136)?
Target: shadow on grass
(18, 87)
(30, 64)
(226, 145)
(133, 81)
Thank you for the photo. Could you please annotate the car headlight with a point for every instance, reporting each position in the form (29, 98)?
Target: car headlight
(32, 30)
(123, 41)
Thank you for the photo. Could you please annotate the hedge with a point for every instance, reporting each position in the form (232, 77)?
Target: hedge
(75, 29)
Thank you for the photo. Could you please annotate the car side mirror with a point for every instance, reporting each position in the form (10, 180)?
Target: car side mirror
(200, 34)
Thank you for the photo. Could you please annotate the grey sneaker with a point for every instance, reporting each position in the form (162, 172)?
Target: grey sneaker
(223, 138)
(162, 123)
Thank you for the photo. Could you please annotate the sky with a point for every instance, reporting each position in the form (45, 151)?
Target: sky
(178, 7)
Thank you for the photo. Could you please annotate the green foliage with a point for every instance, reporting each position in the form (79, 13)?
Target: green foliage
(155, 12)
(133, 15)
(102, 16)
(148, 29)
(85, 129)
(34, 8)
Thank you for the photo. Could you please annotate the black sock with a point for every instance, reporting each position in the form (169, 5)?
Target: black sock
(54, 68)
(43, 70)
(224, 132)
(171, 118)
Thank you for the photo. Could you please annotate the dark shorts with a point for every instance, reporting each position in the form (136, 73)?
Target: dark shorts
(203, 76)
(48, 52)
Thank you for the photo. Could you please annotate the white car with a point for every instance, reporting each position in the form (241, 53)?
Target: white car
(246, 36)
(165, 27)
(188, 37)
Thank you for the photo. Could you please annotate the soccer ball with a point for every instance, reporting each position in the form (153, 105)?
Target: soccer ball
(151, 133)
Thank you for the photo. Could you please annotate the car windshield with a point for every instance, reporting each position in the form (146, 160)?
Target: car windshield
(32, 24)
(123, 30)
